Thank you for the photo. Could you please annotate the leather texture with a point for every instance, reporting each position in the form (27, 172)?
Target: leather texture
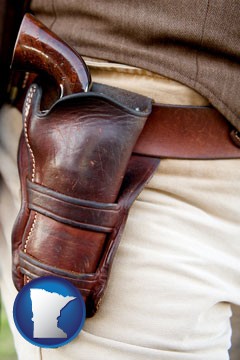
(78, 183)
(188, 132)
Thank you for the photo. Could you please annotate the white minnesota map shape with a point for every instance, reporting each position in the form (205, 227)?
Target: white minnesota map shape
(46, 308)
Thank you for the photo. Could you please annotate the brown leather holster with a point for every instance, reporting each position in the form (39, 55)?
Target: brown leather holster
(83, 162)
(78, 180)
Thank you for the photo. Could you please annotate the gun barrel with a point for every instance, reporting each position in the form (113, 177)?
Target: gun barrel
(39, 50)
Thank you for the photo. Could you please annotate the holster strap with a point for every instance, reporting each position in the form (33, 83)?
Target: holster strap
(186, 132)
(84, 214)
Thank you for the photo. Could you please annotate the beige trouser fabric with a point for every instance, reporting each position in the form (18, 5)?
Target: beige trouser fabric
(177, 268)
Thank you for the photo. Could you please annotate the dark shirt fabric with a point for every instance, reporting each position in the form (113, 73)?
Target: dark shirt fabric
(196, 42)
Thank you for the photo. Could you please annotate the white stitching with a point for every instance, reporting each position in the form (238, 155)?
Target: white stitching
(26, 113)
(30, 233)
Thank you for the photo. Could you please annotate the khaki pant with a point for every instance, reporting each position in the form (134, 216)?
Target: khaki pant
(177, 269)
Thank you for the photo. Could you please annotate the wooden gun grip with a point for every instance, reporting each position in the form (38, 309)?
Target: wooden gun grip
(39, 50)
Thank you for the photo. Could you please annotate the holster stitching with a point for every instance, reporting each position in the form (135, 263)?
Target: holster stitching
(30, 232)
(26, 113)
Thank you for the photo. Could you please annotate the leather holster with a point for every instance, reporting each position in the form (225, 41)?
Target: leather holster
(78, 180)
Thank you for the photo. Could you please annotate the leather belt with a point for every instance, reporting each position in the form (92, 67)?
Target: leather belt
(186, 132)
